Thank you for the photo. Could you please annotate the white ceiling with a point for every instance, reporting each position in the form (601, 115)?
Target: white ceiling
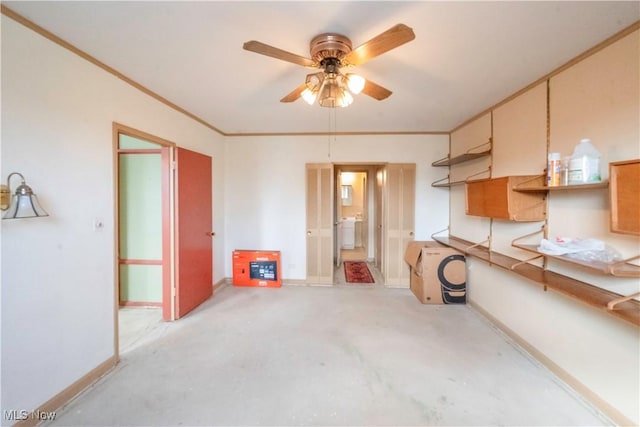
(466, 57)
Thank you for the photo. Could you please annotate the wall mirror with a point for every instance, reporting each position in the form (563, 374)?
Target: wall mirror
(347, 195)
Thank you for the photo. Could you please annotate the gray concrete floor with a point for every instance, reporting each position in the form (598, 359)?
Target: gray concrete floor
(138, 326)
(331, 356)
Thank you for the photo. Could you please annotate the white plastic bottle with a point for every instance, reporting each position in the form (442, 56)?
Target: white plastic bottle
(584, 166)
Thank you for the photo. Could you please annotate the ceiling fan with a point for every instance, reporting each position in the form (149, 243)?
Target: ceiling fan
(330, 52)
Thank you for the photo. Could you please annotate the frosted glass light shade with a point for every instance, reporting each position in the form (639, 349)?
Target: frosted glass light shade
(355, 83)
(24, 203)
(345, 100)
(309, 96)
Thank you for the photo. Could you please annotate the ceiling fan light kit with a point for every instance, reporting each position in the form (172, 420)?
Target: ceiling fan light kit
(331, 52)
(331, 89)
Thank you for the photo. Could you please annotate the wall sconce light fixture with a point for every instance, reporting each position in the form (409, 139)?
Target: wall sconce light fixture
(23, 204)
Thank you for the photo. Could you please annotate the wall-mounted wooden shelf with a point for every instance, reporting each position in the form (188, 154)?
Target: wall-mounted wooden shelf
(622, 307)
(465, 157)
(525, 188)
(622, 268)
(445, 183)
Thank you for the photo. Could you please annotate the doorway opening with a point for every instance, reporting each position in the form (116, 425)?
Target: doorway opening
(164, 215)
(143, 239)
(358, 215)
(387, 218)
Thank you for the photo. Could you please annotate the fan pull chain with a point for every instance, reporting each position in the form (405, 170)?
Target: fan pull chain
(333, 130)
(335, 125)
(329, 135)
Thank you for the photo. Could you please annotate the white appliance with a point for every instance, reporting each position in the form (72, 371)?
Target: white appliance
(348, 233)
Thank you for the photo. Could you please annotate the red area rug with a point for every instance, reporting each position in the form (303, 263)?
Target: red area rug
(357, 272)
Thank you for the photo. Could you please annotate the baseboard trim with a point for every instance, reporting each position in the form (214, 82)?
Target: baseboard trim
(294, 282)
(66, 395)
(220, 284)
(585, 392)
(285, 282)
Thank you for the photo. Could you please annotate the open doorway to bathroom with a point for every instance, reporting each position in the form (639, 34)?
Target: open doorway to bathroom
(357, 216)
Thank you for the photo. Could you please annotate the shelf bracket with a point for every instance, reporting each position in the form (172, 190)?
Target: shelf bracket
(437, 183)
(433, 236)
(515, 241)
(525, 261)
(612, 304)
(487, 170)
(479, 243)
(613, 268)
(441, 160)
(489, 143)
(523, 183)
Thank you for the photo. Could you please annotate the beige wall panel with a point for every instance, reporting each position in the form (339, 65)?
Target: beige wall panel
(519, 148)
(474, 229)
(598, 98)
(466, 138)
(520, 134)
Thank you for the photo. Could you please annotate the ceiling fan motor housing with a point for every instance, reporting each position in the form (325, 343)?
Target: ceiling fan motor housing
(329, 45)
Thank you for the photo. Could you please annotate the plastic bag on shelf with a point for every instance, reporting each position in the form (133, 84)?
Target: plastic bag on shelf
(590, 250)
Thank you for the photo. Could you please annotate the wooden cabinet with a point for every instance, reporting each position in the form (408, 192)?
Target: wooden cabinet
(496, 198)
(624, 192)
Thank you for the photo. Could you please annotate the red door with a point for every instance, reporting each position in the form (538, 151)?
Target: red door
(194, 253)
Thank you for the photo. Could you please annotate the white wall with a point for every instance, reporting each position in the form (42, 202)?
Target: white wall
(57, 272)
(265, 190)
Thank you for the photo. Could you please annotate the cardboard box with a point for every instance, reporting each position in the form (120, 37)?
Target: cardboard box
(256, 268)
(438, 273)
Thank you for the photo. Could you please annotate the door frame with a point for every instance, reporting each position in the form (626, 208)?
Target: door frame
(168, 220)
(370, 168)
(376, 172)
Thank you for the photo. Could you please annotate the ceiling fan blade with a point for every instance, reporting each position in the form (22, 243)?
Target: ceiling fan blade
(295, 94)
(375, 91)
(390, 39)
(274, 52)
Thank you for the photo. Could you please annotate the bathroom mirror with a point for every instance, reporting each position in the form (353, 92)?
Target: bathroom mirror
(347, 195)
